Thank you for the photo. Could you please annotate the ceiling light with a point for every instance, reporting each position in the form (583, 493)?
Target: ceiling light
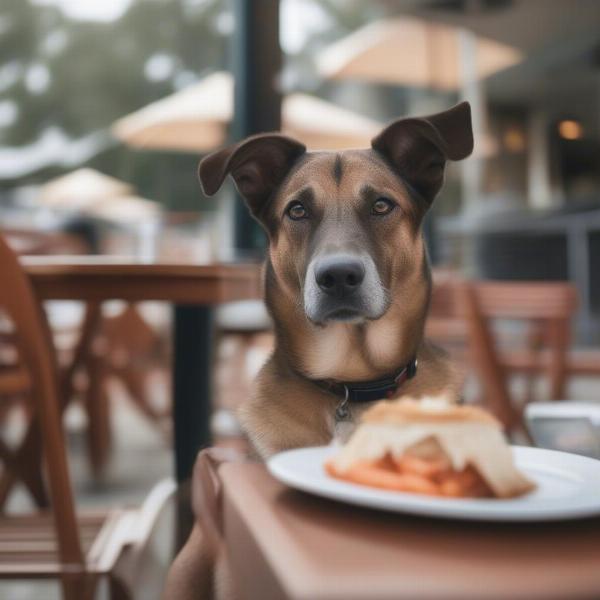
(514, 140)
(569, 129)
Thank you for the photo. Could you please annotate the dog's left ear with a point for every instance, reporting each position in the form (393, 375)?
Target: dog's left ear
(418, 148)
(257, 164)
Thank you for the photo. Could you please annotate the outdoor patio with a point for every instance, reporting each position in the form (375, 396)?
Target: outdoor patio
(425, 171)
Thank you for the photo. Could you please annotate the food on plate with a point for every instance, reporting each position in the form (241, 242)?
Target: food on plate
(430, 447)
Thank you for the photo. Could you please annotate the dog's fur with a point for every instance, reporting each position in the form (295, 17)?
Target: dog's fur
(377, 327)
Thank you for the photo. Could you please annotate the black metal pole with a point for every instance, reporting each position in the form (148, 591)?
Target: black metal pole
(256, 65)
(192, 384)
(192, 401)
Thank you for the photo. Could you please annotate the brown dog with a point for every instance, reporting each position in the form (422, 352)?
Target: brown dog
(347, 280)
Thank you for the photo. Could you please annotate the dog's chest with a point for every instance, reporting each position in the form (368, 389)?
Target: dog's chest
(333, 352)
(347, 352)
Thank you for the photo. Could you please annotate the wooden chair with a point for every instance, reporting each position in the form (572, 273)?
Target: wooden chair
(132, 350)
(446, 323)
(128, 350)
(461, 319)
(547, 351)
(31, 241)
(548, 306)
(58, 543)
(92, 350)
(23, 463)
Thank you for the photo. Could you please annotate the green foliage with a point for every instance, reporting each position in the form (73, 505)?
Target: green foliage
(96, 72)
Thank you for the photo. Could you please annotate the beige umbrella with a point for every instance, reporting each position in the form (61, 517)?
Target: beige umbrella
(126, 210)
(411, 52)
(320, 124)
(196, 120)
(81, 189)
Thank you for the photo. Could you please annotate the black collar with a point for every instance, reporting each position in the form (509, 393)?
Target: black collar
(368, 391)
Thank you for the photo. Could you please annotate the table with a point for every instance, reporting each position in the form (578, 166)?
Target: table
(193, 288)
(287, 544)
(122, 278)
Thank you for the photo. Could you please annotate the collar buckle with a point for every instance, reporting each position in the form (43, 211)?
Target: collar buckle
(368, 391)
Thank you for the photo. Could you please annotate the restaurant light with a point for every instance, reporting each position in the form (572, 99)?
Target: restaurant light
(569, 129)
(514, 140)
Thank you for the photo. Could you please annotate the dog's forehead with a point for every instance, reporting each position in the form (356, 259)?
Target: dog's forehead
(341, 173)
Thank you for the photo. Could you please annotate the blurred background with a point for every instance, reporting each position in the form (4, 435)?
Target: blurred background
(71, 72)
(106, 107)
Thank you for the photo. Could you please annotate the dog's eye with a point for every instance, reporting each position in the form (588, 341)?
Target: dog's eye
(296, 211)
(382, 206)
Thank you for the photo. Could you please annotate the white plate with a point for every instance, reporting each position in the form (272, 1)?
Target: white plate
(568, 487)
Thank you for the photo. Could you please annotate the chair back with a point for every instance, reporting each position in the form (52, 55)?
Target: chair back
(483, 355)
(445, 323)
(527, 299)
(547, 306)
(19, 302)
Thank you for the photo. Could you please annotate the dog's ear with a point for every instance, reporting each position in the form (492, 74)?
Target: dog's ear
(257, 164)
(418, 148)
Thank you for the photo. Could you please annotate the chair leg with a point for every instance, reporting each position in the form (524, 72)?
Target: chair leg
(135, 383)
(559, 341)
(118, 590)
(98, 412)
(81, 586)
(24, 464)
(534, 343)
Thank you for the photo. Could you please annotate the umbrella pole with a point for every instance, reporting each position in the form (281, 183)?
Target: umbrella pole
(257, 60)
(256, 64)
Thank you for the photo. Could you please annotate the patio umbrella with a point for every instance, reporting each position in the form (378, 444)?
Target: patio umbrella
(411, 52)
(81, 189)
(196, 119)
(125, 210)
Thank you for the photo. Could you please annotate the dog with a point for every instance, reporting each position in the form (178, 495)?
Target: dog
(346, 278)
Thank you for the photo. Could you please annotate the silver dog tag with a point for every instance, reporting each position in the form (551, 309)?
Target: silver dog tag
(342, 411)
(344, 422)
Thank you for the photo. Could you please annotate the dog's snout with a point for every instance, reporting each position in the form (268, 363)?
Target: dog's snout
(343, 287)
(339, 275)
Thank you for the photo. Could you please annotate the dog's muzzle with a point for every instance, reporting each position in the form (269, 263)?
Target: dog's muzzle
(343, 287)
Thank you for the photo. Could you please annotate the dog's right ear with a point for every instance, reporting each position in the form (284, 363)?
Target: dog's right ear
(258, 165)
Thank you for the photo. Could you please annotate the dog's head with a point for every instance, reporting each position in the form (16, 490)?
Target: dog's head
(344, 228)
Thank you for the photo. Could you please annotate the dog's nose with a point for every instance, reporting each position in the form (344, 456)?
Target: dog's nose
(339, 275)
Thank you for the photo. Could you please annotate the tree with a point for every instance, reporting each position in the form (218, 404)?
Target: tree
(80, 76)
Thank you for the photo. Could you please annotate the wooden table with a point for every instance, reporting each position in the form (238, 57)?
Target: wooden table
(285, 544)
(192, 288)
(123, 278)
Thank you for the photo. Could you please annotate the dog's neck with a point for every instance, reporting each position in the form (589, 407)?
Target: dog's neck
(344, 351)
